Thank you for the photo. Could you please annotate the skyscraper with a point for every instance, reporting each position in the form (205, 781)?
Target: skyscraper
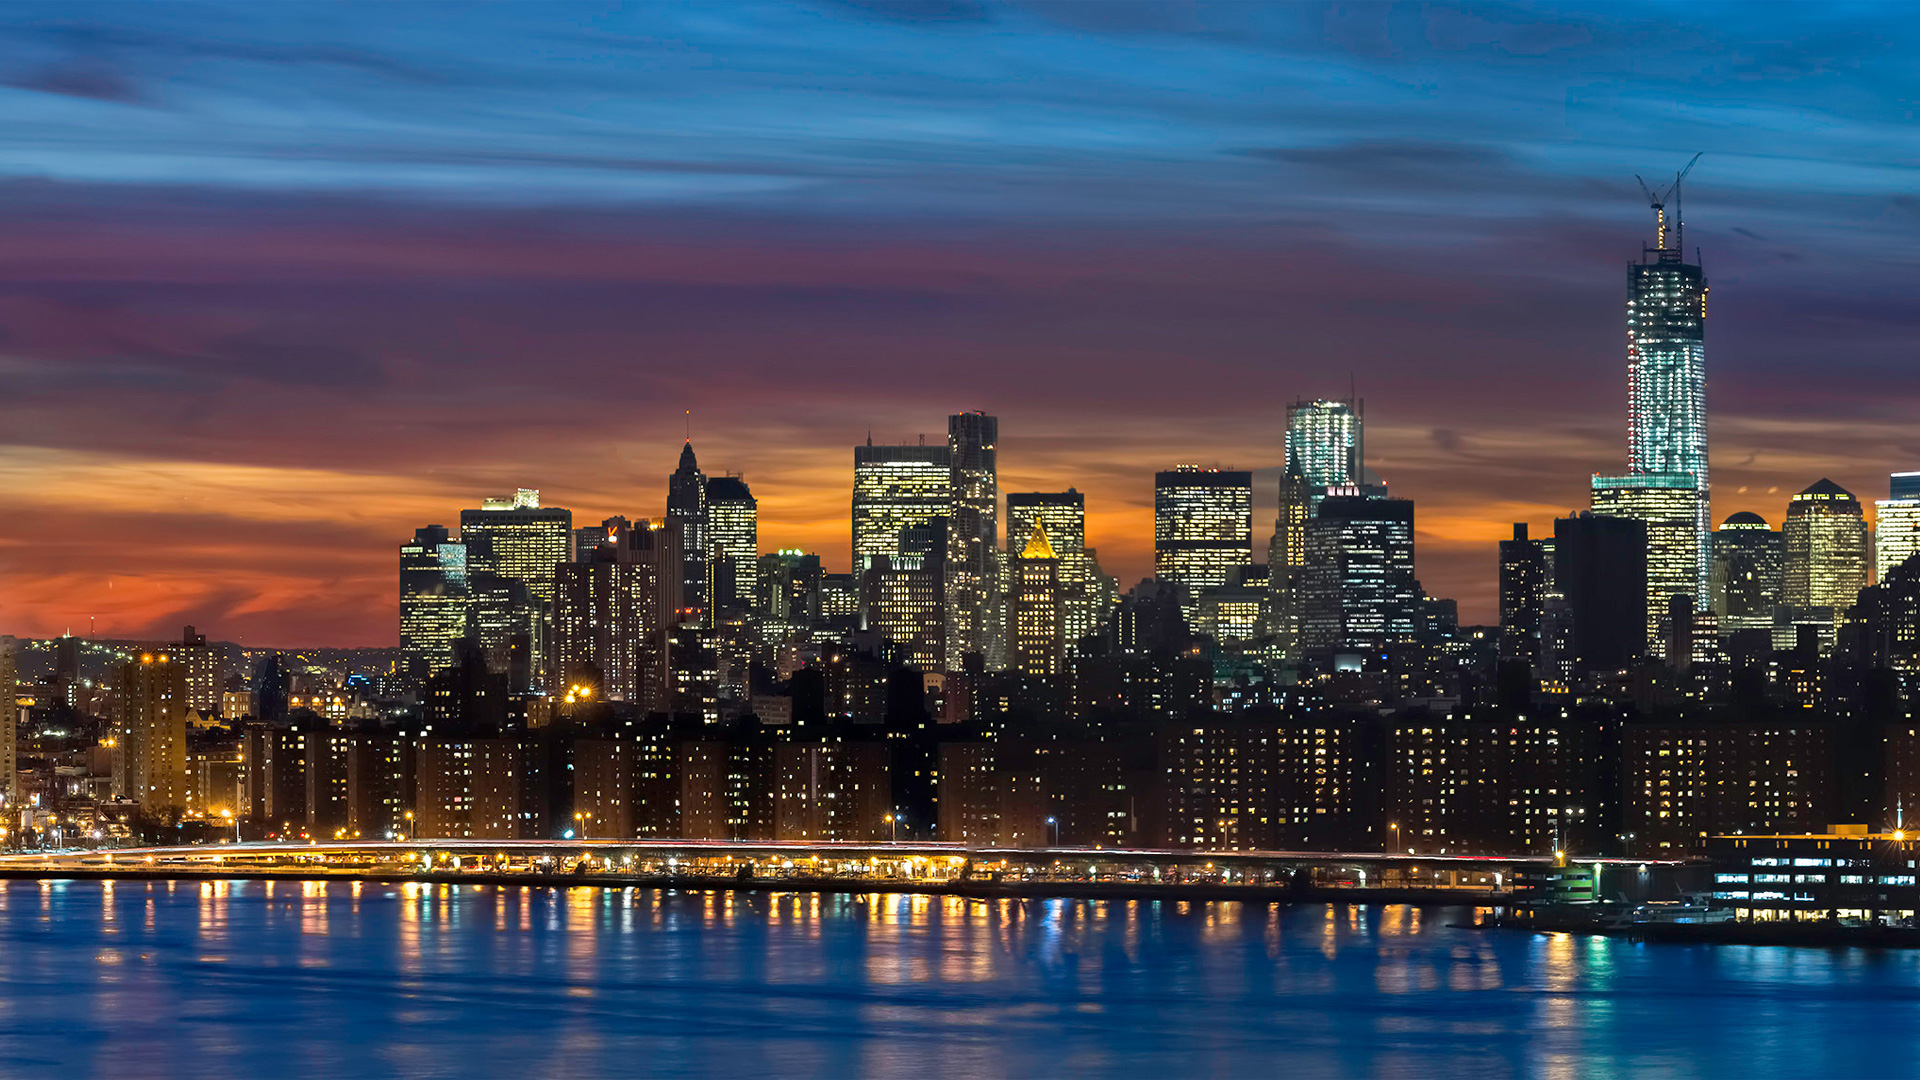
(515, 537)
(1086, 594)
(1600, 570)
(1035, 615)
(895, 487)
(1202, 527)
(974, 618)
(904, 595)
(1324, 442)
(433, 601)
(733, 542)
(1524, 581)
(1896, 524)
(1668, 504)
(1666, 378)
(1357, 590)
(611, 621)
(1747, 558)
(1826, 548)
(9, 730)
(687, 507)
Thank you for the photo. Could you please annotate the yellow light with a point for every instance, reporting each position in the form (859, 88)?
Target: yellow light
(1899, 834)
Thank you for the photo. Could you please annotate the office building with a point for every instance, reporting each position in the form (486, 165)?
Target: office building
(1668, 505)
(1896, 524)
(1825, 538)
(149, 741)
(687, 508)
(1600, 570)
(1357, 590)
(895, 488)
(613, 617)
(904, 595)
(1202, 528)
(1748, 562)
(1324, 442)
(433, 601)
(974, 616)
(1086, 593)
(1525, 579)
(790, 584)
(1666, 384)
(733, 543)
(517, 538)
(1036, 615)
(9, 732)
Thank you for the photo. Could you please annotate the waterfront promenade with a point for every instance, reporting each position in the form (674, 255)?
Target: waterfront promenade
(928, 868)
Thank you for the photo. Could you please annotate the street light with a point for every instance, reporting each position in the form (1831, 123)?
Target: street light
(894, 821)
(583, 818)
(228, 814)
(410, 833)
(1054, 823)
(1395, 826)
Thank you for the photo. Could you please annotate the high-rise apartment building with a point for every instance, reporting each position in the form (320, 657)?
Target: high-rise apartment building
(895, 488)
(613, 614)
(1747, 567)
(1202, 528)
(1036, 613)
(687, 508)
(1826, 548)
(1086, 594)
(1666, 382)
(1525, 579)
(733, 542)
(1896, 524)
(1668, 504)
(202, 663)
(515, 537)
(433, 601)
(1357, 590)
(149, 695)
(974, 616)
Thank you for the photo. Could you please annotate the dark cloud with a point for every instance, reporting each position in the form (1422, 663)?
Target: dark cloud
(90, 78)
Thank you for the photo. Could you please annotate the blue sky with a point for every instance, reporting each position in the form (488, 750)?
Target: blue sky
(400, 255)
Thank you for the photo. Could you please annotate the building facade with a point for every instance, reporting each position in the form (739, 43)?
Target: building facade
(1202, 528)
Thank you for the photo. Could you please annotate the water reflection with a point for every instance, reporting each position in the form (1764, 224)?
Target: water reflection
(263, 978)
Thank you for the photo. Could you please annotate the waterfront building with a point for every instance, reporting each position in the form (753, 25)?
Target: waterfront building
(1035, 608)
(149, 740)
(1840, 872)
(1524, 582)
(1896, 524)
(1666, 387)
(1600, 570)
(1748, 562)
(733, 535)
(687, 508)
(1202, 528)
(974, 616)
(1358, 593)
(433, 601)
(1682, 782)
(1826, 548)
(1464, 785)
(895, 488)
(1668, 505)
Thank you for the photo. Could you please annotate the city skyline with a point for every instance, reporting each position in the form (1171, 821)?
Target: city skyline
(206, 374)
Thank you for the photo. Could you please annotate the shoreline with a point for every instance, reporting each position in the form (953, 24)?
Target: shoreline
(971, 890)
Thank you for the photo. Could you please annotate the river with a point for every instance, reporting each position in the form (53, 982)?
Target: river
(335, 979)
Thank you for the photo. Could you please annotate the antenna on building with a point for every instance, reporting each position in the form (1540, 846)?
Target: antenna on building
(689, 425)
(1659, 204)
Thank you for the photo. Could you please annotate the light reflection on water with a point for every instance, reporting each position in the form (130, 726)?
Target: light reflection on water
(343, 979)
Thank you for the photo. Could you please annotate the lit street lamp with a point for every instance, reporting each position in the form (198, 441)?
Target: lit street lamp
(893, 820)
(1054, 824)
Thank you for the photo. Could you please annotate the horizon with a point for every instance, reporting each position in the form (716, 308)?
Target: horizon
(419, 265)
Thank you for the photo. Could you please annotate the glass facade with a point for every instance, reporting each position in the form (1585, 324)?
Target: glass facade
(974, 616)
(1896, 524)
(1357, 590)
(733, 542)
(1323, 442)
(1747, 560)
(1202, 527)
(1666, 384)
(895, 487)
(433, 601)
(1668, 504)
(517, 538)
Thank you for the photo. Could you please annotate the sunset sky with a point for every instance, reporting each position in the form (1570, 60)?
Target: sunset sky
(279, 284)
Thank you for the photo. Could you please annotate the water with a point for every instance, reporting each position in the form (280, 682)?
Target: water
(202, 979)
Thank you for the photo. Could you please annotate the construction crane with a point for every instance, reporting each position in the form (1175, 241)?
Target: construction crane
(1659, 204)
